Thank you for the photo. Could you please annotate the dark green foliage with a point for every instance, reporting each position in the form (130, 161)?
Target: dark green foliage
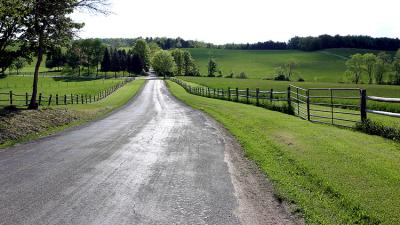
(106, 62)
(281, 77)
(55, 58)
(212, 67)
(376, 128)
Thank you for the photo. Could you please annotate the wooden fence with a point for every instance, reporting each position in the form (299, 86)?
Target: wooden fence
(11, 98)
(336, 106)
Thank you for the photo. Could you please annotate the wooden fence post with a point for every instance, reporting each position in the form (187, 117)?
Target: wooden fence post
(65, 99)
(289, 101)
(26, 98)
(11, 98)
(72, 99)
(40, 99)
(50, 97)
(257, 97)
(82, 98)
(56, 99)
(77, 99)
(229, 93)
(363, 104)
(237, 94)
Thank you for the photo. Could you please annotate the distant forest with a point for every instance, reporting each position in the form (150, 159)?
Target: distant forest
(297, 43)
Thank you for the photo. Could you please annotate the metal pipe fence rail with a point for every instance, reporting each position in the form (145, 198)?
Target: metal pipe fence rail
(11, 98)
(336, 106)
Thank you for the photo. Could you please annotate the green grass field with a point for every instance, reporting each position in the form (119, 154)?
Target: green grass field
(334, 176)
(320, 66)
(59, 86)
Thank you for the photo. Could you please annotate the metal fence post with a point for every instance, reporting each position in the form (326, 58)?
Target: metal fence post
(257, 97)
(247, 95)
(363, 104)
(271, 95)
(308, 105)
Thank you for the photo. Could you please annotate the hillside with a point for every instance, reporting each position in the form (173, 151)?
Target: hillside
(320, 66)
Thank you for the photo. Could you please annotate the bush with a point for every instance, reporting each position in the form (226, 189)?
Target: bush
(375, 128)
(229, 76)
(242, 75)
(300, 80)
(281, 78)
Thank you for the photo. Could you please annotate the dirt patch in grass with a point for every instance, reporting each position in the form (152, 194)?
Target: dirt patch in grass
(16, 123)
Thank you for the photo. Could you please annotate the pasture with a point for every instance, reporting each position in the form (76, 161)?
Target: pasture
(320, 66)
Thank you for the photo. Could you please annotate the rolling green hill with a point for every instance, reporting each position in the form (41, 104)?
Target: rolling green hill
(320, 66)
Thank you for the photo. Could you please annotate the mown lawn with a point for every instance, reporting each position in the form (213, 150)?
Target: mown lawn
(320, 66)
(334, 175)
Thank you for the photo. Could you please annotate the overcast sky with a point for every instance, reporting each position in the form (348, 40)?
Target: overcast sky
(241, 21)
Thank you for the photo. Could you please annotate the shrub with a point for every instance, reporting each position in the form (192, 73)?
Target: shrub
(375, 128)
(242, 75)
(300, 79)
(229, 76)
(281, 78)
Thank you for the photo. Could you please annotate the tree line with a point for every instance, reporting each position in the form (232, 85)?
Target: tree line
(375, 67)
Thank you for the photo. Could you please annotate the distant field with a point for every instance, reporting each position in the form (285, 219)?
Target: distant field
(321, 66)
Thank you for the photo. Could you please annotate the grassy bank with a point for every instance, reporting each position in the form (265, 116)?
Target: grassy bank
(334, 176)
(77, 114)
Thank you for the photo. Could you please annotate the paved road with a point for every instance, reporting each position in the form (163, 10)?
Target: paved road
(155, 161)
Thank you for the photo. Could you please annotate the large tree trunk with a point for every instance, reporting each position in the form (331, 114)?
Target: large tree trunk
(33, 104)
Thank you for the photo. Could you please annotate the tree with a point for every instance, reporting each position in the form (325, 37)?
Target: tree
(396, 68)
(73, 56)
(115, 62)
(163, 63)
(49, 25)
(212, 67)
(369, 64)
(355, 67)
(179, 61)
(106, 62)
(189, 66)
(382, 65)
(289, 68)
(12, 45)
(142, 49)
(18, 64)
(55, 58)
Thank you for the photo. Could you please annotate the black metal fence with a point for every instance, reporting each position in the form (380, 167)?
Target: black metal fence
(337, 106)
(17, 99)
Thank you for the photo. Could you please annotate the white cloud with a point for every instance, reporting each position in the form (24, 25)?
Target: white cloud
(224, 21)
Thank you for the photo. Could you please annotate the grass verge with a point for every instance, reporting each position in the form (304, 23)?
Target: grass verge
(334, 176)
(79, 114)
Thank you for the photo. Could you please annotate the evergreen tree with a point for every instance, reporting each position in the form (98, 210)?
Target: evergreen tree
(106, 62)
(212, 67)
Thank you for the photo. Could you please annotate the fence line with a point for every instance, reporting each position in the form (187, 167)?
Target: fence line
(23, 99)
(320, 105)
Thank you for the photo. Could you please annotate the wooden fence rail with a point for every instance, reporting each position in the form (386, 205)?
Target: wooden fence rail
(10, 98)
(321, 105)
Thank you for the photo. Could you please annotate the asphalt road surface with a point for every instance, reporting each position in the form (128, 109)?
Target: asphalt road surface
(154, 161)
